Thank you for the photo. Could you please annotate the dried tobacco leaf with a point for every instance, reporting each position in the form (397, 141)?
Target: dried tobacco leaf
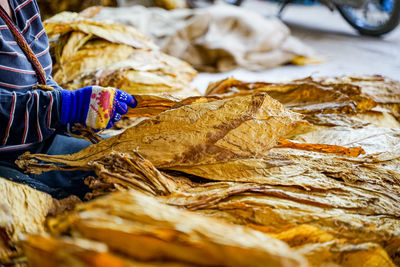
(152, 105)
(87, 52)
(335, 253)
(304, 96)
(328, 101)
(331, 207)
(322, 249)
(332, 193)
(7, 249)
(143, 228)
(67, 251)
(22, 210)
(379, 143)
(352, 152)
(196, 134)
(324, 185)
(383, 90)
(352, 199)
(28, 207)
(312, 191)
(319, 246)
(67, 22)
(349, 199)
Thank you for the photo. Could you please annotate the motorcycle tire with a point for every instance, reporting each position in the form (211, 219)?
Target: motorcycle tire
(369, 30)
(194, 3)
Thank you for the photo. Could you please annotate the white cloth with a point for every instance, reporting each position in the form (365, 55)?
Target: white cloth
(217, 38)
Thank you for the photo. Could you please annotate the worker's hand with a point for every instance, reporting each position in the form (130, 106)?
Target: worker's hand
(95, 106)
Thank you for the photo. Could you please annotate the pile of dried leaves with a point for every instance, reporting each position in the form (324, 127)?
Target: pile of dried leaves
(292, 194)
(343, 101)
(23, 210)
(87, 52)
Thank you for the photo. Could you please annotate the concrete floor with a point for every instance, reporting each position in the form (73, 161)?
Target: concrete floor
(344, 51)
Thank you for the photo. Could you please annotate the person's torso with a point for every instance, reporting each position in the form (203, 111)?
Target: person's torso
(16, 72)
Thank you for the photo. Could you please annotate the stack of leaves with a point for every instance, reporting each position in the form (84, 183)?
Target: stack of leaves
(23, 210)
(141, 228)
(334, 200)
(196, 134)
(88, 52)
(343, 101)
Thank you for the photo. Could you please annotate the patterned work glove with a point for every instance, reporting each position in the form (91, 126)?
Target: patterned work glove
(95, 106)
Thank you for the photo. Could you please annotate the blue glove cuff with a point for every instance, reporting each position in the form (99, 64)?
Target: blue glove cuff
(66, 100)
(75, 105)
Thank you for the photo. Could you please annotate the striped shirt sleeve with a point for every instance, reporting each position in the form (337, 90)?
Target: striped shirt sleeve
(28, 117)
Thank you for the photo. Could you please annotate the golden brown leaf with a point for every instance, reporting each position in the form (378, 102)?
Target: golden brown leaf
(342, 101)
(46, 251)
(201, 133)
(352, 152)
(145, 229)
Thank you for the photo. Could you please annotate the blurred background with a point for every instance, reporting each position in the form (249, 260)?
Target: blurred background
(325, 36)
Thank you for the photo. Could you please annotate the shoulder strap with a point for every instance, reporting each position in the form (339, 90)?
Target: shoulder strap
(19, 38)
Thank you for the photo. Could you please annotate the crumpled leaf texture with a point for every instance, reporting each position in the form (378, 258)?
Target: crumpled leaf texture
(197, 134)
(22, 210)
(343, 101)
(143, 228)
(225, 159)
(87, 52)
